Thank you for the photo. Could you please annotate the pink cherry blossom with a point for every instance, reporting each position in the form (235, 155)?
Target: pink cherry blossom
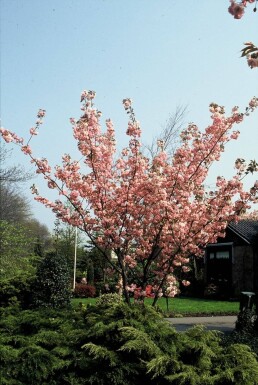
(127, 103)
(26, 150)
(236, 9)
(33, 131)
(252, 62)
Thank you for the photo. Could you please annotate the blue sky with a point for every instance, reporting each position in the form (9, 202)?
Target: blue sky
(161, 53)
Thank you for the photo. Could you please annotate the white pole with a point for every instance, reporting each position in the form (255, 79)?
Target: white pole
(75, 257)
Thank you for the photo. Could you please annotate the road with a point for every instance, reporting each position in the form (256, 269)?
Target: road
(225, 324)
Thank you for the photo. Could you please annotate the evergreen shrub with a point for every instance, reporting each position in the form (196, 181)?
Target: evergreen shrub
(17, 290)
(135, 345)
(113, 343)
(52, 284)
(246, 320)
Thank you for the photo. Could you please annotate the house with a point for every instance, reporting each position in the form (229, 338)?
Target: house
(231, 264)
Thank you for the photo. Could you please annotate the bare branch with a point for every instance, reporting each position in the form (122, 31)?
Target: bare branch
(169, 134)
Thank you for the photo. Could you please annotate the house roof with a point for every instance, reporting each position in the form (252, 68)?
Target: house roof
(246, 229)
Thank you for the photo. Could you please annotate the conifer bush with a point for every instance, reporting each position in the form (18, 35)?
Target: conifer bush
(16, 290)
(114, 343)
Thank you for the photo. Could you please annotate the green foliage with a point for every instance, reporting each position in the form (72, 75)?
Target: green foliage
(243, 338)
(120, 339)
(111, 299)
(90, 272)
(188, 306)
(239, 366)
(113, 343)
(64, 243)
(149, 350)
(246, 321)
(203, 359)
(15, 250)
(16, 290)
(40, 347)
(52, 285)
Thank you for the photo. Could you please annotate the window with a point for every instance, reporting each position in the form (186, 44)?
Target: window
(219, 264)
(222, 255)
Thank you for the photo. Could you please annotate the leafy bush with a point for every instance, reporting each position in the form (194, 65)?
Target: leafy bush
(83, 290)
(246, 321)
(111, 299)
(244, 338)
(16, 290)
(52, 285)
(16, 249)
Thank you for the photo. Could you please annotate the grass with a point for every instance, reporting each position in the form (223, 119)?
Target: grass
(181, 306)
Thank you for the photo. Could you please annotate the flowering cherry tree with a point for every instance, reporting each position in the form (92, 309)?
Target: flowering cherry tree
(152, 214)
(237, 10)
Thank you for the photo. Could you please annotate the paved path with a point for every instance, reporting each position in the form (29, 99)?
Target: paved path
(225, 324)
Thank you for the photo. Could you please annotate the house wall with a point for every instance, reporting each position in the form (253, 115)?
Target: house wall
(242, 269)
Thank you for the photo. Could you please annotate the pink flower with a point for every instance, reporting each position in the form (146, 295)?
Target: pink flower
(252, 62)
(74, 195)
(244, 2)
(127, 103)
(34, 189)
(234, 135)
(33, 131)
(253, 102)
(236, 9)
(7, 136)
(26, 150)
(41, 113)
(51, 184)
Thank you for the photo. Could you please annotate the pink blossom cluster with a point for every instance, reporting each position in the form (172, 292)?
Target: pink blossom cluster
(252, 60)
(153, 213)
(9, 136)
(172, 288)
(237, 9)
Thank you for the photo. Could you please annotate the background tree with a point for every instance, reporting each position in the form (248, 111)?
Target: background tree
(65, 240)
(169, 137)
(22, 238)
(16, 250)
(11, 174)
(43, 241)
(14, 207)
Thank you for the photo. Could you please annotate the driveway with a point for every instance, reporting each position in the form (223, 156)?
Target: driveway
(224, 324)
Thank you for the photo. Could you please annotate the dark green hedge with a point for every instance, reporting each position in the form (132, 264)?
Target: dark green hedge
(112, 343)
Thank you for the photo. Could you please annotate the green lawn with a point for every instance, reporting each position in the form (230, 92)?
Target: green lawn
(184, 306)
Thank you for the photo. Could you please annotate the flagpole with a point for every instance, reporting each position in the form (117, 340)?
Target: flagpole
(75, 258)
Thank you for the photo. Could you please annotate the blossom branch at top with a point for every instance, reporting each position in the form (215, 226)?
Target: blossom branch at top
(237, 9)
(251, 53)
(151, 212)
